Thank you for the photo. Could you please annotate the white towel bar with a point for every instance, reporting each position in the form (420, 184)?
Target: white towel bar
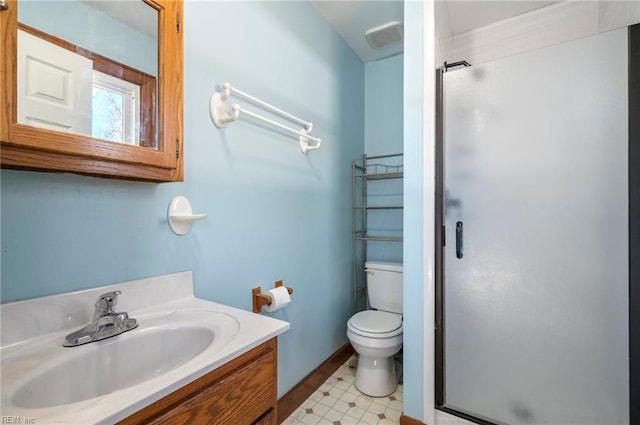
(222, 114)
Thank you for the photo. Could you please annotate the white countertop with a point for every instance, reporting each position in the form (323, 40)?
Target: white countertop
(41, 324)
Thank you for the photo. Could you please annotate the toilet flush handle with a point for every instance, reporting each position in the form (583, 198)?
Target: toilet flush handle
(370, 271)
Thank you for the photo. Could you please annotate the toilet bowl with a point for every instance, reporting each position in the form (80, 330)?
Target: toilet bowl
(376, 335)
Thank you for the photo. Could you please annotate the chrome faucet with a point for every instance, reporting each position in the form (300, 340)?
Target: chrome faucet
(106, 322)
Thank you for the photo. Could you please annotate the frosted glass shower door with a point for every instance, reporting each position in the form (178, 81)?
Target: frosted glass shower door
(536, 307)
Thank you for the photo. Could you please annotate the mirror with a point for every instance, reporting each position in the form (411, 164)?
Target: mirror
(89, 67)
(93, 87)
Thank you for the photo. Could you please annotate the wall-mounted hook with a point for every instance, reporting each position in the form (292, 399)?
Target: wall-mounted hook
(180, 215)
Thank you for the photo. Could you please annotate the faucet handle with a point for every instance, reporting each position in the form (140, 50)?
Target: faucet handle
(106, 302)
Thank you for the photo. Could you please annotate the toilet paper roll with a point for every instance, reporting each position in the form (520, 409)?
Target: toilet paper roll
(279, 298)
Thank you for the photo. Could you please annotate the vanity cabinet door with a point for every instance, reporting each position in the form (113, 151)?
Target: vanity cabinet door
(241, 392)
(268, 419)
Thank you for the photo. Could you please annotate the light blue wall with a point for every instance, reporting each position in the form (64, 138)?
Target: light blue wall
(414, 172)
(383, 130)
(274, 213)
(383, 109)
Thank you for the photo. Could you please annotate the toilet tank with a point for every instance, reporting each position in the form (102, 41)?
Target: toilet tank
(384, 285)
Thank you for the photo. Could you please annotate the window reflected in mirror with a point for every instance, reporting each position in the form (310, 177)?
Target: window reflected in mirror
(89, 68)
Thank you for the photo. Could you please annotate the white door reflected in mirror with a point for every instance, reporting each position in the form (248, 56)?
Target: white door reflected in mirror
(54, 86)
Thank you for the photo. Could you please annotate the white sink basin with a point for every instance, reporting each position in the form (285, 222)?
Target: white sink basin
(180, 338)
(161, 343)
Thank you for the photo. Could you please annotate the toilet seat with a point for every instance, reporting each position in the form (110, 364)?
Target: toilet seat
(375, 324)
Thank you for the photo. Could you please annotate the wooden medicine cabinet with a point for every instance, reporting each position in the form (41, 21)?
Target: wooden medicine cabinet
(93, 88)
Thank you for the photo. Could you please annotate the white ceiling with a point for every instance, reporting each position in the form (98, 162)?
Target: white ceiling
(352, 18)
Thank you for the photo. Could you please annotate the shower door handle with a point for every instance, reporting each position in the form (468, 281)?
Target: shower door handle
(459, 232)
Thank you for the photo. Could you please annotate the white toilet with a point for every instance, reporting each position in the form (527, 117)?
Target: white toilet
(376, 335)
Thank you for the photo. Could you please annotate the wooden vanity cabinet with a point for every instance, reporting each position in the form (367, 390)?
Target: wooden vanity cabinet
(241, 392)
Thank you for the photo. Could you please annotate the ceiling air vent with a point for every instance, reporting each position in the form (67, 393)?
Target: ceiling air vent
(384, 35)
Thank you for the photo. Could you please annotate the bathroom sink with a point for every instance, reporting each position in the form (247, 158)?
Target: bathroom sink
(179, 339)
(162, 343)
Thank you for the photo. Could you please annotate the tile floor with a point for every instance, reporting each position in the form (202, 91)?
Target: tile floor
(338, 402)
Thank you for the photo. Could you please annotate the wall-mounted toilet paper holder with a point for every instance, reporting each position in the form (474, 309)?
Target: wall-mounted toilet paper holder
(259, 299)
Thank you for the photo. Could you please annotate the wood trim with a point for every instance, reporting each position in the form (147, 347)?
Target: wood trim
(170, 84)
(303, 389)
(406, 420)
(8, 67)
(15, 158)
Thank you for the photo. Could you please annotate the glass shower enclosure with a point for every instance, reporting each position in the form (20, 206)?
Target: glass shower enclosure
(534, 296)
